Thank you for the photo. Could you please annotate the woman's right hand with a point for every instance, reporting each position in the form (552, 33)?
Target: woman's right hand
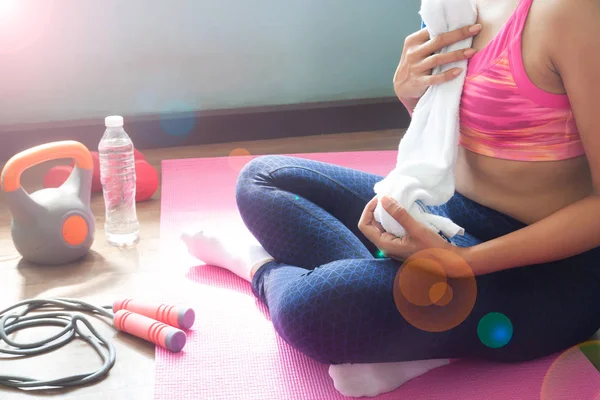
(419, 57)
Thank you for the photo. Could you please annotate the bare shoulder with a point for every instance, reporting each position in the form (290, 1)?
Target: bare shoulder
(565, 30)
(567, 20)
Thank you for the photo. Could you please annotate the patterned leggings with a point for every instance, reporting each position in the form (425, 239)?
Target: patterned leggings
(331, 297)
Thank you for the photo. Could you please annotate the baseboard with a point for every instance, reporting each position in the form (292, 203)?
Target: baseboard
(221, 126)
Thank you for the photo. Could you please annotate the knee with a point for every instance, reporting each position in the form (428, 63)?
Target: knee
(329, 317)
(254, 183)
(248, 178)
(255, 174)
(260, 166)
(253, 187)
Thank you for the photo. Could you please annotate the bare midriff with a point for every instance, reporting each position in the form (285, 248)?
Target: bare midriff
(526, 191)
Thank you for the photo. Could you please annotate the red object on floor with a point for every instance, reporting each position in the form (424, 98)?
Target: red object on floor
(146, 180)
(96, 184)
(146, 176)
(138, 155)
(57, 176)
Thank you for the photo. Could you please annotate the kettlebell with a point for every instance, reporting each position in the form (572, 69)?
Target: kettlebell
(54, 225)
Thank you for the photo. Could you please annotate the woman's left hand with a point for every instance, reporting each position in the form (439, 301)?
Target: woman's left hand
(418, 237)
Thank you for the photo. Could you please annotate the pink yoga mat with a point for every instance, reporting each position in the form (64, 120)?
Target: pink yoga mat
(233, 351)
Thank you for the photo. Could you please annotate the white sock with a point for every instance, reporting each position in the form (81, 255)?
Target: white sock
(370, 380)
(237, 256)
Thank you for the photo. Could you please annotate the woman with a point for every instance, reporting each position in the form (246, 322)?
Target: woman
(527, 193)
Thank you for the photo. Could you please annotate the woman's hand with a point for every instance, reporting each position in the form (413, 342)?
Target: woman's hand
(418, 237)
(414, 73)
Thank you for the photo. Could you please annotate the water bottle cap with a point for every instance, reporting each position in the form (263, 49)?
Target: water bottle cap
(114, 121)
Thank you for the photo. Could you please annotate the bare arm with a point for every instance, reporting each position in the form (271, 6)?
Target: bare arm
(575, 53)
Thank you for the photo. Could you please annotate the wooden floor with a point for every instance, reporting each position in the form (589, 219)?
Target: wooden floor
(110, 272)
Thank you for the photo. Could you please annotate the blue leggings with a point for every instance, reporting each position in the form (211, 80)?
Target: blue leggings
(331, 297)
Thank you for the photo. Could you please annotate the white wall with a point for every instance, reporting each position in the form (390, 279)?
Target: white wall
(71, 59)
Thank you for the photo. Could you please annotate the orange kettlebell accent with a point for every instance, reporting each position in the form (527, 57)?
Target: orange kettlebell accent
(11, 174)
(75, 230)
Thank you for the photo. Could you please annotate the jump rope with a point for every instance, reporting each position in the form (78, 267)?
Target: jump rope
(160, 324)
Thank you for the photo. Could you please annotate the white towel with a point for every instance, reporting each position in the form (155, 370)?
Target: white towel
(427, 153)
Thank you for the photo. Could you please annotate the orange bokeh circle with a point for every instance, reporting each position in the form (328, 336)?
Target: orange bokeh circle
(567, 368)
(435, 290)
(238, 158)
(440, 294)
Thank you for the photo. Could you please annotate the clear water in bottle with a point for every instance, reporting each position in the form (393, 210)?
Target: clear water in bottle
(117, 174)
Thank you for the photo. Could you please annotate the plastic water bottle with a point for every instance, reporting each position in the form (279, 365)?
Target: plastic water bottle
(117, 174)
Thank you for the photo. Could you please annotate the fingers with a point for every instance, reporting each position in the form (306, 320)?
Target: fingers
(378, 226)
(368, 214)
(394, 247)
(391, 245)
(445, 39)
(431, 80)
(387, 237)
(366, 223)
(400, 214)
(418, 38)
(446, 58)
(421, 55)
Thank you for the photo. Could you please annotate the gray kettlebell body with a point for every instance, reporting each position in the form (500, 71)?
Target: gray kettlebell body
(54, 225)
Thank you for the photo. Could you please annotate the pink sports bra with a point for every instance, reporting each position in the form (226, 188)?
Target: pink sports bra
(503, 114)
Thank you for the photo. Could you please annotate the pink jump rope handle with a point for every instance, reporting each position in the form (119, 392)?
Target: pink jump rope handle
(182, 318)
(148, 329)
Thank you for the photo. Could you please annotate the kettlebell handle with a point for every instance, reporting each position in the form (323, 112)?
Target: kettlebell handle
(11, 174)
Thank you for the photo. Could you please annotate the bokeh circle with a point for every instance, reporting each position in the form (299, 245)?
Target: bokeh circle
(495, 330)
(177, 119)
(435, 290)
(238, 158)
(566, 371)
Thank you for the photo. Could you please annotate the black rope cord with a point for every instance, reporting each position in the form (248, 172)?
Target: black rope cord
(65, 313)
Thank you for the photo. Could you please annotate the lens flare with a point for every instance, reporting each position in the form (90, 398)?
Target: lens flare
(238, 158)
(495, 330)
(177, 119)
(579, 365)
(435, 290)
(8, 9)
(23, 23)
(440, 294)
